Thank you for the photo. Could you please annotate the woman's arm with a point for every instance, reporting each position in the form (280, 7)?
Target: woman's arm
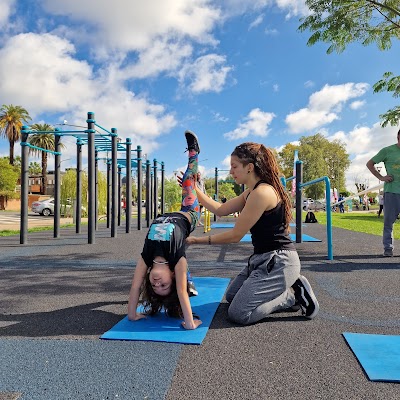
(138, 277)
(231, 206)
(261, 199)
(181, 287)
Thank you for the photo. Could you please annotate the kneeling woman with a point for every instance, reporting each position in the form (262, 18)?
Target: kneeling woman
(271, 281)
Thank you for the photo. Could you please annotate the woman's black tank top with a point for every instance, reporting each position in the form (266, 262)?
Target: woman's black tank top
(269, 232)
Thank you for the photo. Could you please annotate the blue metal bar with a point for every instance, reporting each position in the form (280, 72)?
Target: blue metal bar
(56, 153)
(328, 211)
(104, 129)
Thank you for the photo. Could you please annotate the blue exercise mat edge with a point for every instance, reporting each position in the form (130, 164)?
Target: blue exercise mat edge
(371, 351)
(160, 328)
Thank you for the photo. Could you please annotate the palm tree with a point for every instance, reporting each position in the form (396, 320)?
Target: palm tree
(11, 121)
(44, 141)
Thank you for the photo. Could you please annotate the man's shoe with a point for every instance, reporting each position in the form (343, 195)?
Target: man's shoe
(305, 297)
(192, 290)
(388, 253)
(192, 142)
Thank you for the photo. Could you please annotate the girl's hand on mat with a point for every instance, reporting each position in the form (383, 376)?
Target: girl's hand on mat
(139, 316)
(196, 323)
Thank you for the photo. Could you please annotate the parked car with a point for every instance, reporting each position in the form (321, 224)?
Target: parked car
(315, 205)
(46, 207)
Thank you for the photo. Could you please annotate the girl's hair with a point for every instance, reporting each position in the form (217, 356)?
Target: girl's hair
(153, 303)
(267, 168)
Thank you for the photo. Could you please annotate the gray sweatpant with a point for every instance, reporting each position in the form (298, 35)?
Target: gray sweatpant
(263, 287)
(391, 209)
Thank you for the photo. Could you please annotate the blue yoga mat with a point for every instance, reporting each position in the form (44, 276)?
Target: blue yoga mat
(305, 238)
(230, 225)
(379, 355)
(160, 328)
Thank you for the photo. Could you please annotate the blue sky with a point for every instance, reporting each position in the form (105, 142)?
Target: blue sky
(230, 70)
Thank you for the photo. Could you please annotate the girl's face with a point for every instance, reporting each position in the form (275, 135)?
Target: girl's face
(238, 170)
(161, 277)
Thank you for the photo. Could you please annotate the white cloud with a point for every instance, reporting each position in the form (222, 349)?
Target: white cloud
(135, 24)
(256, 123)
(6, 7)
(257, 21)
(309, 84)
(55, 82)
(206, 74)
(162, 56)
(271, 32)
(324, 106)
(355, 105)
(362, 143)
(275, 87)
(49, 78)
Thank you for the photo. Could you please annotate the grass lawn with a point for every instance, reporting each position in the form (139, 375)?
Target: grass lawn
(358, 222)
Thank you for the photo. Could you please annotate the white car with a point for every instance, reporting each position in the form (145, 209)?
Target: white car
(46, 207)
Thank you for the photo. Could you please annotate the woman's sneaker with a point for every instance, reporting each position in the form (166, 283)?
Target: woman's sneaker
(192, 141)
(305, 297)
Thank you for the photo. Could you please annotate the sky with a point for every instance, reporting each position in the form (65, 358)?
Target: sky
(229, 70)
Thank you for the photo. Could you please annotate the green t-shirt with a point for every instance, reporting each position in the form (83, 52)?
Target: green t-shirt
(390, 156)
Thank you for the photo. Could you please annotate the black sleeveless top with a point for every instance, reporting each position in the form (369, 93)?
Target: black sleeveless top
(269, 232)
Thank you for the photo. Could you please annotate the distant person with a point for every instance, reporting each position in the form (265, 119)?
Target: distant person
(365, 203)
(390, 156)
(381, 202)
(341, 204)
(271, 280)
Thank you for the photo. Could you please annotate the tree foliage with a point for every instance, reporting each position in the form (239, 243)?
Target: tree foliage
(341, 22)
(11, 121)
(320, 158)
(9, 175)
(45, 141)
(173, 193)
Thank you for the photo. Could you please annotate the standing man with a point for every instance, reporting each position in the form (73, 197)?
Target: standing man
(390, 156)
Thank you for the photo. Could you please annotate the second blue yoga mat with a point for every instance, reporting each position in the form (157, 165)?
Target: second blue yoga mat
(379, 355)
(305, 238)
(160, 328)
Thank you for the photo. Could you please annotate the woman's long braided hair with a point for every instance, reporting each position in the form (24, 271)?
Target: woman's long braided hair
(267, 169)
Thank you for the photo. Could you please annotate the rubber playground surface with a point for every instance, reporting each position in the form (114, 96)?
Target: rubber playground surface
(58, 296)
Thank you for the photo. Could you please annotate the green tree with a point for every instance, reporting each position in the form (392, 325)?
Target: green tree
(9, 175)
(11, 120)
(44, 141)
(341, 22)
(173, 194)
(34, 168)
(320, 158)
(226, 190)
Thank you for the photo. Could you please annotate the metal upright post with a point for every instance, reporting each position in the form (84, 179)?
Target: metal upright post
(96, 186)
(57, 184)
(216, 189)
(139, 187)
(114, 185)
(128, 186)
(119, 194)
(78, 202)
(148, 189)
(299, 205)
(108, 193)
(155, 190)
(162, 188)
(91, 180)
(23, 232)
